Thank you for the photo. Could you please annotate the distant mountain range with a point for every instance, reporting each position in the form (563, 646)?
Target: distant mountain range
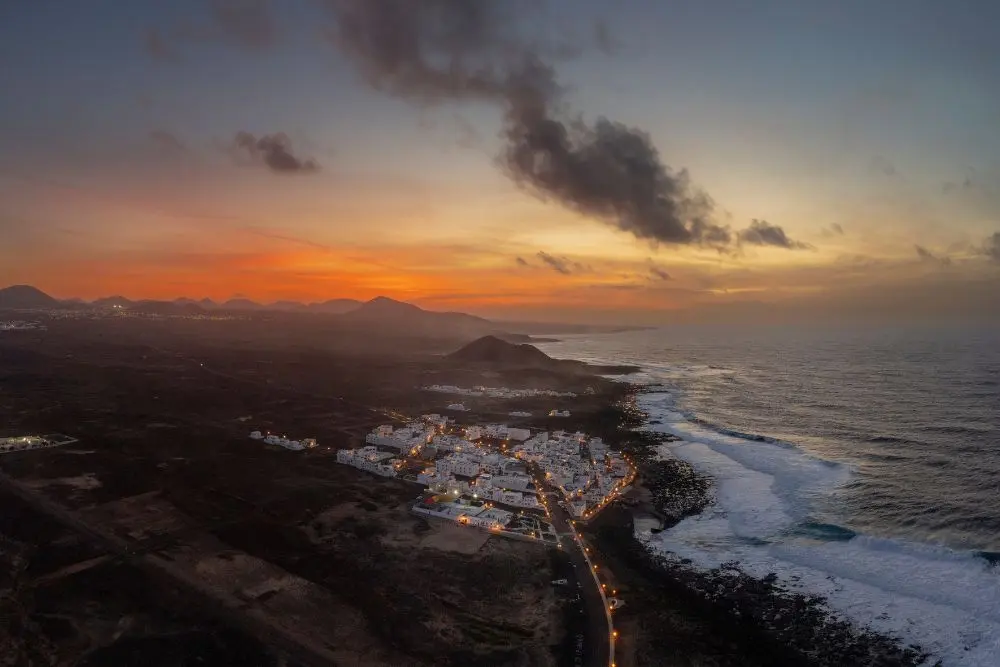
(333, 306)
(389, 314)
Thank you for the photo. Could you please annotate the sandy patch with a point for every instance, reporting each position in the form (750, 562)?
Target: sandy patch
(448, 536)
(84, 482)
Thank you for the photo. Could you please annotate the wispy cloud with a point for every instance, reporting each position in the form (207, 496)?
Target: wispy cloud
(928, 256)
(656, 273)
(563, 265)
(167, 142)
(832, 230)
(763, 233)
(991, 247)
(273, 151)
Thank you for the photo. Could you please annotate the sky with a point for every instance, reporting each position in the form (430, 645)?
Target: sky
(634, 162)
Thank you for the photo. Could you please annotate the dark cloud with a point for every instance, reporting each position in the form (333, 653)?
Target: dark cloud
(991, 248)
(837, 229)
(563, 265)
(167, 142)
(833, 230)
(442, 50)
(761, 232)
(249, 23)
(659, 274)
(158, 47)
(273, 151)
(882, 164)
(928, 256)
(522, 262)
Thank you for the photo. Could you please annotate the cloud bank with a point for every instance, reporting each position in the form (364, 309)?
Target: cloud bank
(452, 50)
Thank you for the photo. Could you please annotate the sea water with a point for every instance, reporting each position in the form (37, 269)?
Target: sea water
(862, 465)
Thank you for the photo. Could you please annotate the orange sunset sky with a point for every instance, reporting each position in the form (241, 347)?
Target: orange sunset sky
(122, 169)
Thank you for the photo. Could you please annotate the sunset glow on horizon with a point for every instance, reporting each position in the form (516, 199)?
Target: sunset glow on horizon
(251, 156)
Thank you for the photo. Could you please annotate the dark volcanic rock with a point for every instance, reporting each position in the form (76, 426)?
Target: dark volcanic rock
(490, 349)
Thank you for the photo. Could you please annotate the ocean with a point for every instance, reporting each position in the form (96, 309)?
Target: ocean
(860, 464)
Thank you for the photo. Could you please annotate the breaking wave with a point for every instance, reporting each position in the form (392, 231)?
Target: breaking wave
(765, 517)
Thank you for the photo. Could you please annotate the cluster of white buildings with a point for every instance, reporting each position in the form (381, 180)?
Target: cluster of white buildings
(475, 513)
(370, 459)
(283, 441)
(471, 466)
(20, 325)
(28, 442)
(497, 392)
(482, 474)
(407, 439)
(460, 466)
(582, 468)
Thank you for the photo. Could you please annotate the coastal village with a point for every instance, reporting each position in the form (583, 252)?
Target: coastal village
(481, 476)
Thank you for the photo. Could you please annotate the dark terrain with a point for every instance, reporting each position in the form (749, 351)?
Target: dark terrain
(162, 409)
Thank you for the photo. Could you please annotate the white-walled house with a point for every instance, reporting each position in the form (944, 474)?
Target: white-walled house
(369, 459)
(518, 434)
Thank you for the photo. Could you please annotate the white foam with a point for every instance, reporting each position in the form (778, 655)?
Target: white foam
(945, 601)
(764, 486)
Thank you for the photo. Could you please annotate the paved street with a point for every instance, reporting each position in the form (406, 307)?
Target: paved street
(597, 648)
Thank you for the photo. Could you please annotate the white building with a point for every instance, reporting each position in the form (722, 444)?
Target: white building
(256, 435)
(459, 464)
(406, 439)
(559, 413)
(458, 407)
(519, 434)
(451, 443)
(514, 481)
(496, 430)
(23, 443)
(474, 432)
(282, 441)
(370, 460)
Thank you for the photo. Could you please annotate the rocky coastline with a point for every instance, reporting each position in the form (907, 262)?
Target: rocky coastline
(761, 622)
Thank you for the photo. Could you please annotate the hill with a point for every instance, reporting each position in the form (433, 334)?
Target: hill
(490, 349)
(415, 321)
(241, 304)
(334, 306)
(26, 296)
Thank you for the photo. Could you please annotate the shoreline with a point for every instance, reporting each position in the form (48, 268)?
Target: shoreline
(743, 620)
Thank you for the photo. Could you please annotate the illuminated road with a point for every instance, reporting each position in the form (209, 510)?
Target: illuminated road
(597, 641)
